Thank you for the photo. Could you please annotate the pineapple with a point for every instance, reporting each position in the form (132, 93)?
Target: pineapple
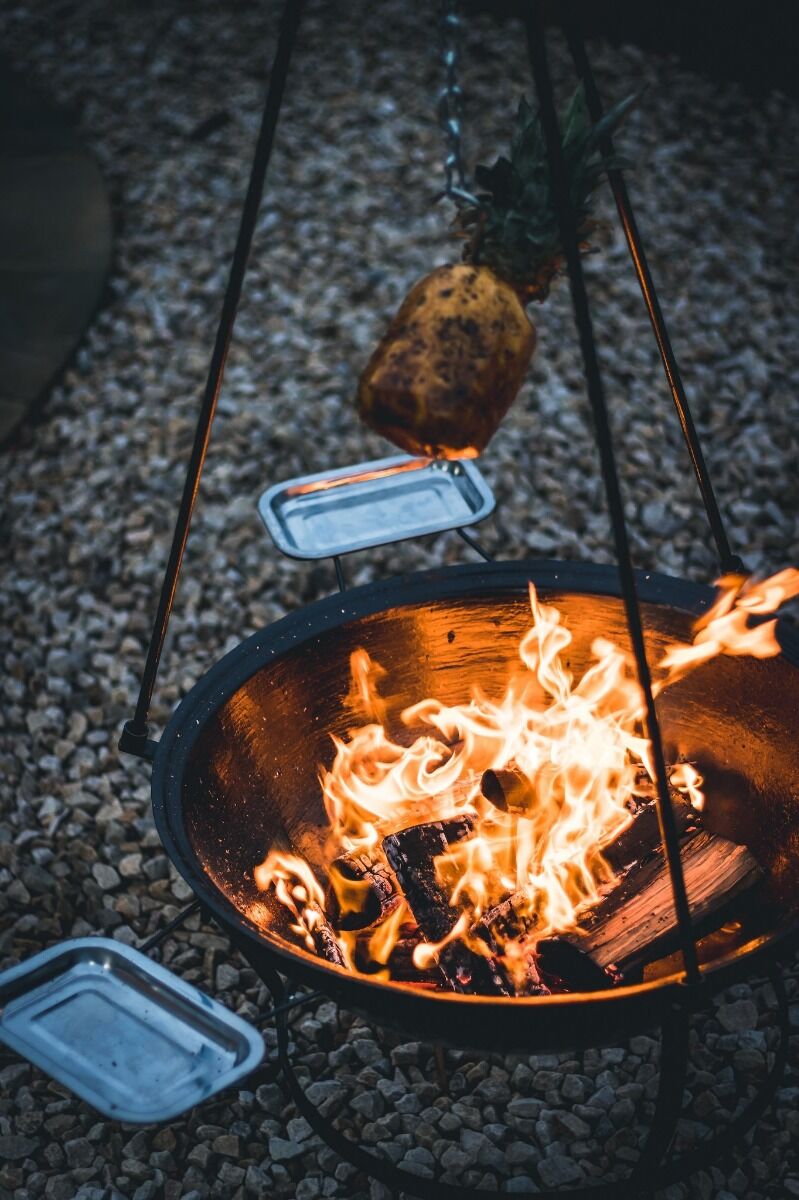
(455, 355)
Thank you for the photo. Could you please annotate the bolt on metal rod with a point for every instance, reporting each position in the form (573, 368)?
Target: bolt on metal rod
(134, 736)
(568, 232)
(730, 562)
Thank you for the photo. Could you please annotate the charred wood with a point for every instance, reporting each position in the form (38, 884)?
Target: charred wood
(325, 941)
(400, 964)
(403, 968)
(314, 923)
(636, 923)
(511, 923)
(374, 888)
(411, 854)
(510, 920)
(642, 836)
(508, 789)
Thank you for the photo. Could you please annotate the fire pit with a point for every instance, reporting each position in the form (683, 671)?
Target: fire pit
(237, 771)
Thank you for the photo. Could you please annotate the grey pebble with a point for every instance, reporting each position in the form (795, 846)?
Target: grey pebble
(557, 1170)
(106, 876)
(368, 1104)
(227, 977)
(15, 1146)
(738, 1016)
(522, 1154)
(284, 1150)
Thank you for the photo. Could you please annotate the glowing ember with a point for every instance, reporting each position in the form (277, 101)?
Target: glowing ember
(570, 755)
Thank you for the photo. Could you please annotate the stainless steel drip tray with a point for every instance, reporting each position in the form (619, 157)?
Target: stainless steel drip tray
(373, 503)
(122, 1032)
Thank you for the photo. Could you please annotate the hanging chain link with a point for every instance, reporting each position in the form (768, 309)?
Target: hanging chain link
(450, 101)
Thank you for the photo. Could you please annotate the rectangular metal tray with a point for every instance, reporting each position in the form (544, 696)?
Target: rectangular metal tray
(373, 503)
(122, 1032)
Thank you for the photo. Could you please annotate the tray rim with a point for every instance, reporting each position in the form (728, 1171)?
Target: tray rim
(250, 1036)
(469, 468)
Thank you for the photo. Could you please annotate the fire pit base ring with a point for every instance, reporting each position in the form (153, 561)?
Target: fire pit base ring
(649, 1170)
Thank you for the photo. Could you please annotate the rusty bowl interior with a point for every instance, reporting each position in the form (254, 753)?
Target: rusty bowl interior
(238, 765)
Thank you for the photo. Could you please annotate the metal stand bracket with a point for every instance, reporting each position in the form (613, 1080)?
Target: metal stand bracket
(649, 1172)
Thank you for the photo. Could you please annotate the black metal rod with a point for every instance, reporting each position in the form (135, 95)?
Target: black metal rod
(136, 730)
(582, 313)
(401, 1182)
(170, 927)
(291, 1003)
(674, 1054)
(729, 1138)
(340, 580)
(729, 561)
(472, 541)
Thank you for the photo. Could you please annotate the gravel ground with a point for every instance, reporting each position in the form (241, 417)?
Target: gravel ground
(169, 99)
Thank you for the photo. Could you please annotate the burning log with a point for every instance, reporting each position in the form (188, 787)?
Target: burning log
(510, 923)
(361, 892)
(510, 920)
(404, 969)
(508, 789)
(298, 889)
(636, 922)
(411, 854)
(400, 964)
(642, 835)
(325, 942)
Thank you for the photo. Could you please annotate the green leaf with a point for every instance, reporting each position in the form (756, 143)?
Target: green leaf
(520, 236)
(613, 118)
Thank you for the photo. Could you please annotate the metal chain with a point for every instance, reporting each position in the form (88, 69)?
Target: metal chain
(450, 101)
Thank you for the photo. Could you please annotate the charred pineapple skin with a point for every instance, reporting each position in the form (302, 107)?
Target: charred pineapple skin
(449, 365)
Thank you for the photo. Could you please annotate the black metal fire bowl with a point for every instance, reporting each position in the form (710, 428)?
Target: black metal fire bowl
(238, 765)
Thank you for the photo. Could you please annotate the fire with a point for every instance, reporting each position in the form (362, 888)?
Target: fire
(725, 629)
(687, 780)
(297, 888)
(572, 756)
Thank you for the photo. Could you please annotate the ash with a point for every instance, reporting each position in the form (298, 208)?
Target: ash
(169, 100)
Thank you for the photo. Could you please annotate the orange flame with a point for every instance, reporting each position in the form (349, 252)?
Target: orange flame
(725, 628)
(686, 779)
(577, 752)
(298, 889)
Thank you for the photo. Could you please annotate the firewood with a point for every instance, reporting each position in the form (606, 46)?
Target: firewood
(636, 922)
(325, 941)
(404, 969)
(378, 897)
(471, 973)
(411, 854)
(322, 934)
(511, 922)
(642, 835)
(508, 921)
(400, 964)
(508, 789)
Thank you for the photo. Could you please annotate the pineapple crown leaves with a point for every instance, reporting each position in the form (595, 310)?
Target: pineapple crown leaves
(512, 216)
